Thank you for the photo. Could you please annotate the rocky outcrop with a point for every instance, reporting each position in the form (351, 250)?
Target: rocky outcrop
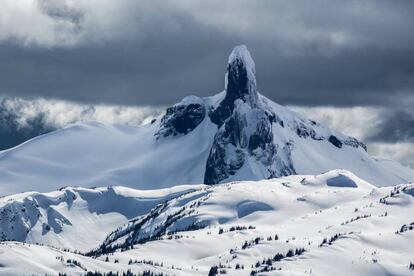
(245, 136)
(246, 125)
(181, 119)
(240, 83)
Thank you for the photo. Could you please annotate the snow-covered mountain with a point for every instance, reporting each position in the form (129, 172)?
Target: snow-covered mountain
(237, 134)
(333, 223)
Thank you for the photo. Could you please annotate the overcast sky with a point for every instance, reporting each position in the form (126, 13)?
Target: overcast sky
(347, 63)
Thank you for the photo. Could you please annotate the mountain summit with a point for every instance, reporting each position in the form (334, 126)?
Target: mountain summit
(245, 127)
(240, 83)
(237, 134)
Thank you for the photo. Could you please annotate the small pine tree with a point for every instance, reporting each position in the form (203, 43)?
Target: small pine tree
(213, 271)
(290, 253)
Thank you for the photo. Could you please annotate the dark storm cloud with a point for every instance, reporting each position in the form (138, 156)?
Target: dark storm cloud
(162, 74)
(159, 70)
(394, 128)
(12, 133)
(323, 53)
(22, 119)
(127, 52)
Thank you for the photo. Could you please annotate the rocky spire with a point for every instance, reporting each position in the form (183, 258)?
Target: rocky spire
(240, 83)
(240, 76)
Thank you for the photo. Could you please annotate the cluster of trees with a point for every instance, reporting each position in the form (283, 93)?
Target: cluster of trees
(393, 193)
(356, 218)
(214, 270)
(127, 273)
(270, 238)
(236, 228)
(267, 264)
(255, 241)
(239, 266)
(251, 243)
(331, 239)
(76, 263)
(260, 266)
(405, 227)
(148, 262)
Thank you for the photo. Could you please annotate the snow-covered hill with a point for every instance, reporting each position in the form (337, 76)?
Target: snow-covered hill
(333, 223)
(237, 134)
(76, 218)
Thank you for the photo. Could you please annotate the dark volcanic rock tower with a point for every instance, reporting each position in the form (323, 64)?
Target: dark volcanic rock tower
(254, 138)
(244, 137)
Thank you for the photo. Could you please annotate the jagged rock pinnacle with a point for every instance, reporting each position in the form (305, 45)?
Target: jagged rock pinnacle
(240, 83)
(240, 77)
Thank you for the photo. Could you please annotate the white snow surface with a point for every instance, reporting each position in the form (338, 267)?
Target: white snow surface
(76, 218)
(367, 229)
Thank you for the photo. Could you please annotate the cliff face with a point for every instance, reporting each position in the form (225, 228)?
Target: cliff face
(254, 138)
(240, 82)
(245, 127)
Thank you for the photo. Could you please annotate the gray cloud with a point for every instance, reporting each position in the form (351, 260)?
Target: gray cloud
(22, 119)
(131, 52)
(384, 131)
(332, 56)
(394, 127)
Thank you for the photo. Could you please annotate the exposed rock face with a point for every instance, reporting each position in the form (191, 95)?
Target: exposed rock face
(335, 141)
(245, 127)
(246, 138)
(240, 84)
(247, 141)
(181, 119)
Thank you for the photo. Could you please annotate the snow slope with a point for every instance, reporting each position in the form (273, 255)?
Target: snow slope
(345, 226)
(76, 218)
(237, 134)
(29, 259)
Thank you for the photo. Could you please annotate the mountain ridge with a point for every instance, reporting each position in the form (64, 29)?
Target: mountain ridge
(237, 134)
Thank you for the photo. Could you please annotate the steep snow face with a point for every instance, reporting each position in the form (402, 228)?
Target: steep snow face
(237, 134)
(333, 223)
